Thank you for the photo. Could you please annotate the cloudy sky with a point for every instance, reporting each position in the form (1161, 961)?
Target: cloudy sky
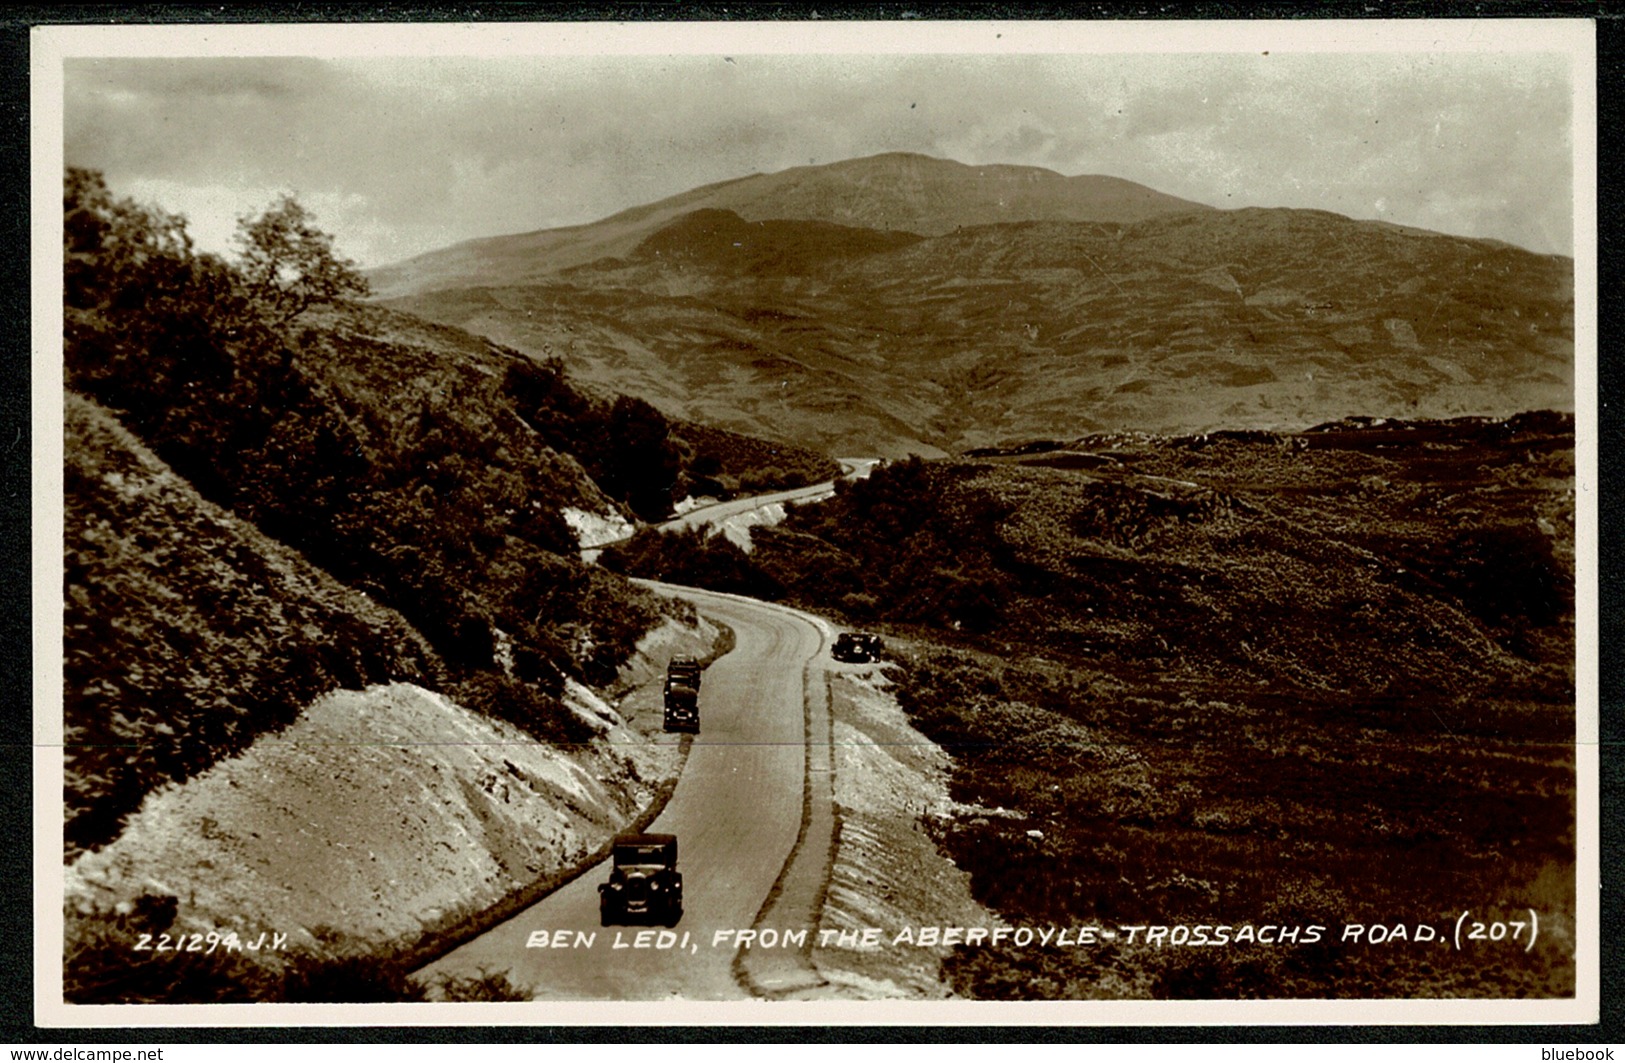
(401, 153)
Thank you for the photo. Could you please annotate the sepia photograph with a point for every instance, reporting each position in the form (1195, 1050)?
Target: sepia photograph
(816, 523)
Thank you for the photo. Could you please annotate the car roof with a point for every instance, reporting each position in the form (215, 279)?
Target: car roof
(646, 839)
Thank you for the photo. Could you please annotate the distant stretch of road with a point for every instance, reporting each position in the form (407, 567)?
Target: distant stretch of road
(734, 518)
(737, 514)
(736, 812)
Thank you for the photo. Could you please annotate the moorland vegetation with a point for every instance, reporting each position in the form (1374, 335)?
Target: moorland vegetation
(1317, 678)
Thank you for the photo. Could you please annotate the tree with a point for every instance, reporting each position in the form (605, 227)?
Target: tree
(644, 459)
(118, 253)
(146, 317)
(290, 265)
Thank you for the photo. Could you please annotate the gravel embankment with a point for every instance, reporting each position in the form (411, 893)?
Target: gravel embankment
(386, 814)
(890, 782)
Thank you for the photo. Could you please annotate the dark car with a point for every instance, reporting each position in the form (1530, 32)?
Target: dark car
(682, 708)
(644, 884)
(683, 669)
(683, 695)
(856, 646)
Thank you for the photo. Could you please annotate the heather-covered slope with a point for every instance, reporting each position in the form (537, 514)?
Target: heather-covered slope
(188, 632)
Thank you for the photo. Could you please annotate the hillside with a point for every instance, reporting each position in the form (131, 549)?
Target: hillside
(218, 632)
(896, 191)
(1239, 678)
(258, 455)
(277, 502)
(1270, 319)
(229, 704)
(1322, 686)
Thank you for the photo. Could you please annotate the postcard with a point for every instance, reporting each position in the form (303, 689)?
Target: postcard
(807, 522)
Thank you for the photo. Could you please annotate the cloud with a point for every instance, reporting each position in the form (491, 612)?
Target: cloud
(411, 154)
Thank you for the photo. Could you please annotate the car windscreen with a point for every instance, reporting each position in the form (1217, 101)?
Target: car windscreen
(640, 854)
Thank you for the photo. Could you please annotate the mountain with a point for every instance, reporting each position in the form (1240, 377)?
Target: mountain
(865, 340)
(894, 192)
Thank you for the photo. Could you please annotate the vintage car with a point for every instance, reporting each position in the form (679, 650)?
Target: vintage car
(684, 670)
(856, 646)
(644, 884)
(683, 695)
(682, 708)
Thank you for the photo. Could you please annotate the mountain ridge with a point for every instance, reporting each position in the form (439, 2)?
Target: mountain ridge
(929, 196)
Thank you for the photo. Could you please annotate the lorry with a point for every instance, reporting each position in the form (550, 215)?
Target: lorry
(644, 884)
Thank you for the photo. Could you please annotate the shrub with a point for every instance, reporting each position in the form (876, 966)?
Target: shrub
(101, 966)
(524, 705)
(694, 557)
(350, 980)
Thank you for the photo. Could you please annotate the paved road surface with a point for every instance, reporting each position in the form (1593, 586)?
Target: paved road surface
(736, 812)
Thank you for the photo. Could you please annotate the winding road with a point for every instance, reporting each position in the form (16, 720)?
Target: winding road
(752, 814)
(737, 812)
